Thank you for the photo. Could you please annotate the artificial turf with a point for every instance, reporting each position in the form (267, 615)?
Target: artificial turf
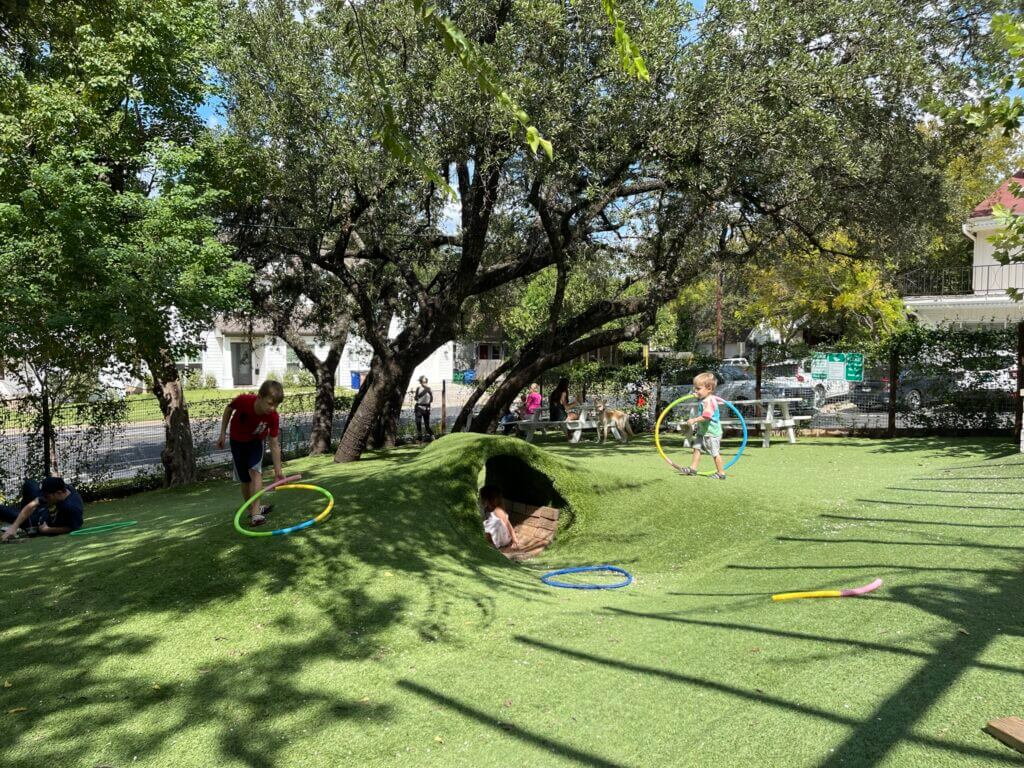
(393, 636)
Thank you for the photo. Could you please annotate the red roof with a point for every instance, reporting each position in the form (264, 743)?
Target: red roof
(1004, 196)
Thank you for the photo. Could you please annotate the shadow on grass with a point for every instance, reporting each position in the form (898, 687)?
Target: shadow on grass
(995, 448)
(892, 567)
(64, 639)
(956, 490)
(961, 477)
(911, 521)
(898, 503)
(507, 728)
(871, 739)
(788, 634)
(957, 545)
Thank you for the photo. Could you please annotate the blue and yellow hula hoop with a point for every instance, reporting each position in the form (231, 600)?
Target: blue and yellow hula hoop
(673, 404)
(291, 529)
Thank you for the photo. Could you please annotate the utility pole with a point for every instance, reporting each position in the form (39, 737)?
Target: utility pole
(719, 328)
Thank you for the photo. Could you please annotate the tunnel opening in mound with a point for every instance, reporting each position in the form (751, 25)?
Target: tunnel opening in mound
(531, 501)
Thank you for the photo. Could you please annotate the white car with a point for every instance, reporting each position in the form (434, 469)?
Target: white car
(739, 362)
(793, 377)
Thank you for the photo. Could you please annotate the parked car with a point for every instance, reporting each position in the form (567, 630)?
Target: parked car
(792, 378)
(733, 384)
(739, 362)
(914, 389)
(919, 389)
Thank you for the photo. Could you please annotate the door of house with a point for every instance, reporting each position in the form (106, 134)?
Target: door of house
(241, 363)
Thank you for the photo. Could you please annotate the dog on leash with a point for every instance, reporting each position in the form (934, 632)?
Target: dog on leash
(608, 418)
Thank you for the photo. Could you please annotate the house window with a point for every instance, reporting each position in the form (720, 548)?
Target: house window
(292, 360)
(189, 363)
(488, 351)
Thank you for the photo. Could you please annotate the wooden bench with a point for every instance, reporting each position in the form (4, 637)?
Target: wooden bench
(535, 528)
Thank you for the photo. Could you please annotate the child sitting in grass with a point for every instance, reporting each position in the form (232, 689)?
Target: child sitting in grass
(708, 432)
(497, 528)
(253, 419)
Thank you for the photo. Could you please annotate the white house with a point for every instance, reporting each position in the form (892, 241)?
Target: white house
(973, 296)
(238, 356)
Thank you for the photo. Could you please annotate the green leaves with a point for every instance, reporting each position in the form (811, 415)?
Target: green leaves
(480, 69)
(630, 60)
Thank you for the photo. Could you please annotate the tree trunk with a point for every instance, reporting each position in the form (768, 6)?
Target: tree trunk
(386, 428)
(517, 380)
(467, 410)
(48, 438)
(324, 374)
(378, 405)
(178, 455)
(524, 372)
(323, 412)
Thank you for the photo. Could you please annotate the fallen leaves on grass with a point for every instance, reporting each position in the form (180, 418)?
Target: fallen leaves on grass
(17, 710)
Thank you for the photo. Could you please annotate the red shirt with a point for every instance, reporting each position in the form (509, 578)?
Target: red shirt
(247, 425)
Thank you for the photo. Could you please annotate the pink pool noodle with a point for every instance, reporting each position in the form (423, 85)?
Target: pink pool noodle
(858, 591)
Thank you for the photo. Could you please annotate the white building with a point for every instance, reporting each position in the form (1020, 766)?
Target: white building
(977, 295)
(239, 357)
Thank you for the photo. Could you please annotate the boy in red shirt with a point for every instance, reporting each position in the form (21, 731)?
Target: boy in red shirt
(253, 418)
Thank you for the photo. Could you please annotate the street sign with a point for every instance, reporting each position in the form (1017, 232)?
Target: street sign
(837, 366)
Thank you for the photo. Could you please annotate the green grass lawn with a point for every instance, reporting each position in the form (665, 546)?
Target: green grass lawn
(393, 636)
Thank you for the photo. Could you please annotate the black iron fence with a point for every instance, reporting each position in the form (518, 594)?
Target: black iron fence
(977, 280)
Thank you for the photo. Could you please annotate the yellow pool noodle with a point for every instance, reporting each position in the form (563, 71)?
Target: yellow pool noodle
(798, 595)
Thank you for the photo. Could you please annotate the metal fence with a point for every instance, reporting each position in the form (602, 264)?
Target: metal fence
(983, 279)
(106, 443)
(118, 442)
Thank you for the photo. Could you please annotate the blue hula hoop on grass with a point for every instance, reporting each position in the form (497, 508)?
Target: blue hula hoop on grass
(548, 578)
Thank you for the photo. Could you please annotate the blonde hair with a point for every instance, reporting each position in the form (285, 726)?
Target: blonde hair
(273, 390)
(706, 379)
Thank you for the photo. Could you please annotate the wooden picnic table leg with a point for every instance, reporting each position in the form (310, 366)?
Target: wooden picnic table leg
(791, 429)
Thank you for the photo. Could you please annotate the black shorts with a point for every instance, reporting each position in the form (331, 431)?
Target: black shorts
(246, 456)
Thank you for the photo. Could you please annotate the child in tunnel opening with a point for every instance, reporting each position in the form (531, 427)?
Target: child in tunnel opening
(497, 528)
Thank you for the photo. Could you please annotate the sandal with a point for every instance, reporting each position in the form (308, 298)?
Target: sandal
(257, 519)
(687, 471)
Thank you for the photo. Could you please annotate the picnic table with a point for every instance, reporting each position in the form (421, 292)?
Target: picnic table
(573, 428)
(776, 415)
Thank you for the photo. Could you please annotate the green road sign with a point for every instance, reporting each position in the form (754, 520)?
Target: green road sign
(837, 366)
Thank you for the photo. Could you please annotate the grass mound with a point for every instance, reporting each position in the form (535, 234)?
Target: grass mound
(393, 635)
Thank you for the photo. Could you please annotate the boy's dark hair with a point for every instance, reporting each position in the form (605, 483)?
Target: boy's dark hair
(273, 390)
(491, 494)
(52, 485)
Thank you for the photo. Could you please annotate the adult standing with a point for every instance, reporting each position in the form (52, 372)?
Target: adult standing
(558, 401)
(424, 398)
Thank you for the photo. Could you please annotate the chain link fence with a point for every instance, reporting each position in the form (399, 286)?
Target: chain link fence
(938, 381)
(117, 442)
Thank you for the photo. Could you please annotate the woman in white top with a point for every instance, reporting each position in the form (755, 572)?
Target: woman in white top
(497, 528)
